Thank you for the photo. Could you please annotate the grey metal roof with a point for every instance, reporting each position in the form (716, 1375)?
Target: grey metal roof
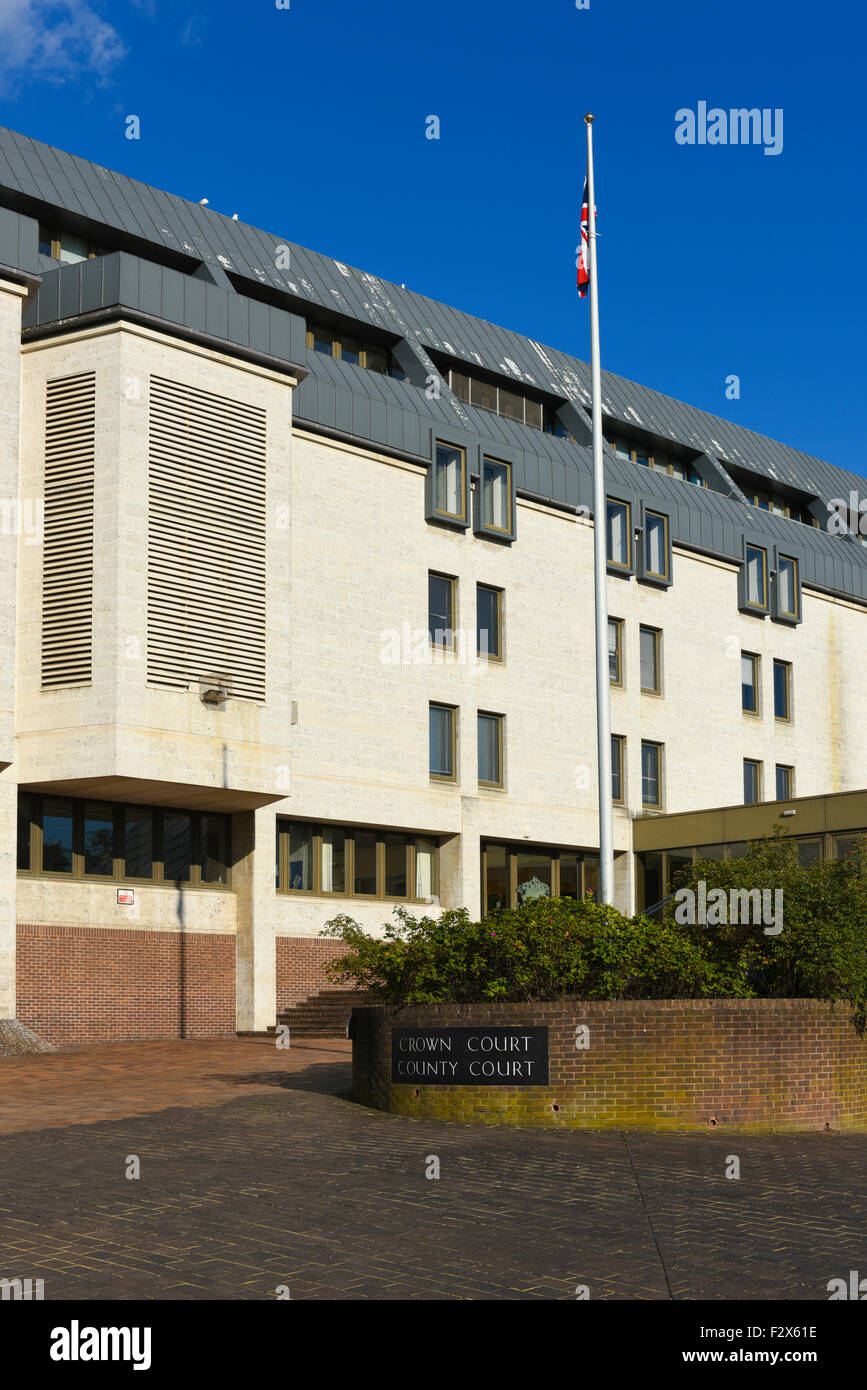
(174, 254)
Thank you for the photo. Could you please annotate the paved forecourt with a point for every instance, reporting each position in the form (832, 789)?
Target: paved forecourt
(256, 1176)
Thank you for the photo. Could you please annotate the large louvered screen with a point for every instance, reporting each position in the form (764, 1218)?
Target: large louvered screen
(67, 554)
(206, 540)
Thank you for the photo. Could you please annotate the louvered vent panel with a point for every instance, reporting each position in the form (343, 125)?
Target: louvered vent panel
(67, 555)
(206, 540)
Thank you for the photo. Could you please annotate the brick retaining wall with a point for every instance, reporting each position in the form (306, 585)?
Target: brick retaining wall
(739, 1064)
(89, 984)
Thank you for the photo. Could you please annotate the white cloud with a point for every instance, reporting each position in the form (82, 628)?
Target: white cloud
(55, 40)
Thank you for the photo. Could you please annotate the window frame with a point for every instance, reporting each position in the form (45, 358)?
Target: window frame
(618, 624)
(483, 782)
(663, 578)
(783, 615)
(499, 654)
(744, 602)
(616, 566)
(317, 828)
(620, 741)
(118, 875)
(758, 764)
(452, 777)
(452, 582)
(513, 849)
(660, 753)
(756, 662)
(785, 666)
(790, 781)
(656, 633)
(458, 520)
(480, 526)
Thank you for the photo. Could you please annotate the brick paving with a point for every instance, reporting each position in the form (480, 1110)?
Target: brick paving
(256, 1173)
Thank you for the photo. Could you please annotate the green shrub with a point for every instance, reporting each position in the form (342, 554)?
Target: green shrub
(547, 949)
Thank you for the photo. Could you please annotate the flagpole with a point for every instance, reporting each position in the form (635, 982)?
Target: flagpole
(600, 559)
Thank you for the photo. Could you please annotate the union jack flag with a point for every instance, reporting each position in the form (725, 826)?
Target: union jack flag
(583, 262)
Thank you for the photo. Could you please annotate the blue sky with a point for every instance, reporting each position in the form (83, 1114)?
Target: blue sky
(715, 260)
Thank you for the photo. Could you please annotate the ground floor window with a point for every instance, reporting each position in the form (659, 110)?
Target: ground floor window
(355, 862)
(72, 838)
(659, 873)
(516, 874)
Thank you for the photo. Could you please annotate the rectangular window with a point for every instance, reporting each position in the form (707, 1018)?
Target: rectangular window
(25, 813)
(618, 751)
(785, 782)
(99, 839)
(350, 351)
(656, 564)
(570, 875)
(489, 604)
(57, 835)
(782, 690)
(490, 736)
(442, 742)
(440, 610)
(376, 360)
(460, 384)
(496, 496)
(511, 405)
(534, 876)
(396, 865)
(425, 867)
(365, 842)
(483, 394)
(650, 640)
(360, 862)
(756, 577)
(750, 668)
(619, 549)
(213, 849)
(752, 782)
(177, 846)
(615, 650)
(513, 875)
(321, 340)
(846, 846)
(788, 597)
(300, 858)
(111, 841)
(333, 860)
(497, 886)
(450, 482)
(651, 786)
(138, 842)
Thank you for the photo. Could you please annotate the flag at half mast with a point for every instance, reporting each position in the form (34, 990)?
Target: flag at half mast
(582, 262)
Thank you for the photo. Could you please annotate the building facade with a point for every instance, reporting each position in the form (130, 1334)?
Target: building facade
(297, 600)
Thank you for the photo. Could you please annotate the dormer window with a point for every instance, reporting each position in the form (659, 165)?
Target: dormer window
(333, 342)
(66, 247)
(499, 400)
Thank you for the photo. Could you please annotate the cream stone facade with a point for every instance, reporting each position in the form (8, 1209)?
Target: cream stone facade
(331, 537)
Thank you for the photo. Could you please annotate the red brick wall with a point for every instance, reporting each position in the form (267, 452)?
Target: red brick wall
(745, 1064)
(88, 984)
(299, 967)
